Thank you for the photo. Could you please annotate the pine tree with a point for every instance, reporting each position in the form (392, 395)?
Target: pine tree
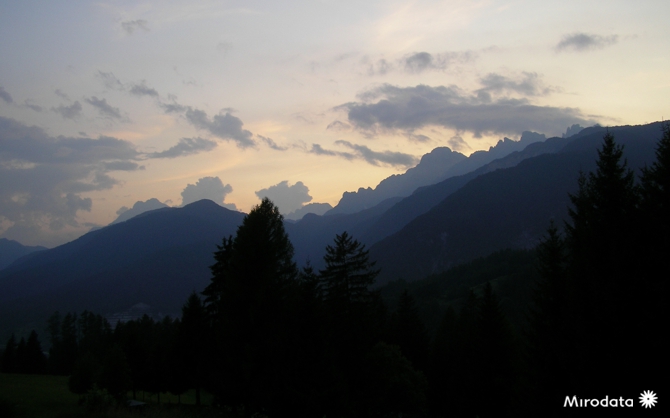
(654, 247)
(9, 361)
(64, 343)
(21, 360)
(348, 274)
(655, 208)
(248, 299)
(602, 214)
(192, 346)
(85, 375)
(496, 357)
(601, 243)
(548, 338)
(351, 317)
(409, 332)
(444, 361)
(115, 373)
(35, 360)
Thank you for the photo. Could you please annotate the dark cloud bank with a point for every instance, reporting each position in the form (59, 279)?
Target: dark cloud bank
(404, 109)
(584, 42)
(42, 177)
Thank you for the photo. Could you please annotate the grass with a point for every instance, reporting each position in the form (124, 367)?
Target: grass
(187, 398)
(37, 396)
(42, 396)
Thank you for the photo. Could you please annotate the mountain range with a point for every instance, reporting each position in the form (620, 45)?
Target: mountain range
(11, 250)
(160, 256)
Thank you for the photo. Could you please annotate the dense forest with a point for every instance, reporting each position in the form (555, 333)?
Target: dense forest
(511, 334)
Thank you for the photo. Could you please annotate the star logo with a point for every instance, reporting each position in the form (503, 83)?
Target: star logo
(648, 399)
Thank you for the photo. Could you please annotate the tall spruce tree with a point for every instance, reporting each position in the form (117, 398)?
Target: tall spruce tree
(548, 337)
(9, 361)
(35, 360)
(655, 212)
(248, 299)
(601, 244)
(349, 273)
(654, 247)
(496, 362)
(409, 332)
(192, 346)
(351, 316)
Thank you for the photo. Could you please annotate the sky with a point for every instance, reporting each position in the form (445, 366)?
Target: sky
(107, 103)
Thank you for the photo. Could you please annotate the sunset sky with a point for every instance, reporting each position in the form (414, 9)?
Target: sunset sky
(103, 104)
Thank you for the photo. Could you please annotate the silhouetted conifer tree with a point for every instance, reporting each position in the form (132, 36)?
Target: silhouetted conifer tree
(409, 332)
(21, 360)
(655, 199)
(64, 346)
(192, 347)
(351, 317)
(85, 375)
(496, 358)
(115, 373)
(34, 359)
(548, 337)
(393, 387)
(348, 274)
(252, 280)
(9, 361)
(654, 247)
(601, 244)
(444, 359)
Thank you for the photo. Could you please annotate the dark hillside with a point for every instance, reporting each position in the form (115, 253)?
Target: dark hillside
(507, 208)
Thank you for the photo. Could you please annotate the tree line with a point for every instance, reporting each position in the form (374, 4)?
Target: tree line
(270, 338)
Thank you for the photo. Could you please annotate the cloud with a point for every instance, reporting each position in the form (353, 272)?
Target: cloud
(361, 152)
(287, 198)
(211, 188)
(130, 26)
(381, 67)
(385, 157)
(319, 150)
(419, 62)
(185, 146)
(271, 143)
(69, 112)
(529, 85)
(136, 89)
(173, 108)
(62, 95)
(338, 126)
(141, 89)
(138, 208)
(110, 81)
(405, 109)
(34, 107)
(104, 108)
(315, 208)
(5, 96)
(224, 126)
(42, 178)
(417, 137)
(457, 143)
(584, 42)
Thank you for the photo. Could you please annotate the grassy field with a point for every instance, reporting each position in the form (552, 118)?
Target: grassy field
(37, 396)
